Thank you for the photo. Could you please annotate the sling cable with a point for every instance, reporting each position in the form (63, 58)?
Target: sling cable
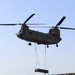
(45, 71)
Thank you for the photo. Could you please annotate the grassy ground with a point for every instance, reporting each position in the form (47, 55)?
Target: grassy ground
(67, 74)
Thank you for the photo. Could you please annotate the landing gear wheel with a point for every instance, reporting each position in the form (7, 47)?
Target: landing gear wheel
(29, 44)
(56, 45)
(47, 46)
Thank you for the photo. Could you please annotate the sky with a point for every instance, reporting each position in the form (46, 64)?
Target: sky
(16, 57)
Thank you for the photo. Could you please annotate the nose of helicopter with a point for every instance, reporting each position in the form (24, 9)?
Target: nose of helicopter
(19, 35)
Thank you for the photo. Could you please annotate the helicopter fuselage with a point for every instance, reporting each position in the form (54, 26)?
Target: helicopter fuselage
(52, 37)
(38, 37)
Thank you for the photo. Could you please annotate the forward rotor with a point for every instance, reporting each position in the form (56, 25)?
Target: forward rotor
(25, 23)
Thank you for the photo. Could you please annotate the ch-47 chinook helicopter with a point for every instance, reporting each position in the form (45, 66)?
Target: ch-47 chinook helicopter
(50, 38)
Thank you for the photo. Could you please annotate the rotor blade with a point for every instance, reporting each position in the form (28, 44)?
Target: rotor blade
(29, 17)
(66, 28)
(10, 24)
(36, 24)
(40, 26)
(37, 27)
(63, 18)
(51, 27)
(21, 24)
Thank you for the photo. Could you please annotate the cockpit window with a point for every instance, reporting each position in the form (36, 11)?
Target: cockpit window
(20, 31)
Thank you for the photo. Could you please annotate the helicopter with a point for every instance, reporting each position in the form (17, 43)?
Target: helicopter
(50, 38)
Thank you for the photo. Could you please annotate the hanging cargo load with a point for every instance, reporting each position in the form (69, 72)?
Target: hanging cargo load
(41, 70)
